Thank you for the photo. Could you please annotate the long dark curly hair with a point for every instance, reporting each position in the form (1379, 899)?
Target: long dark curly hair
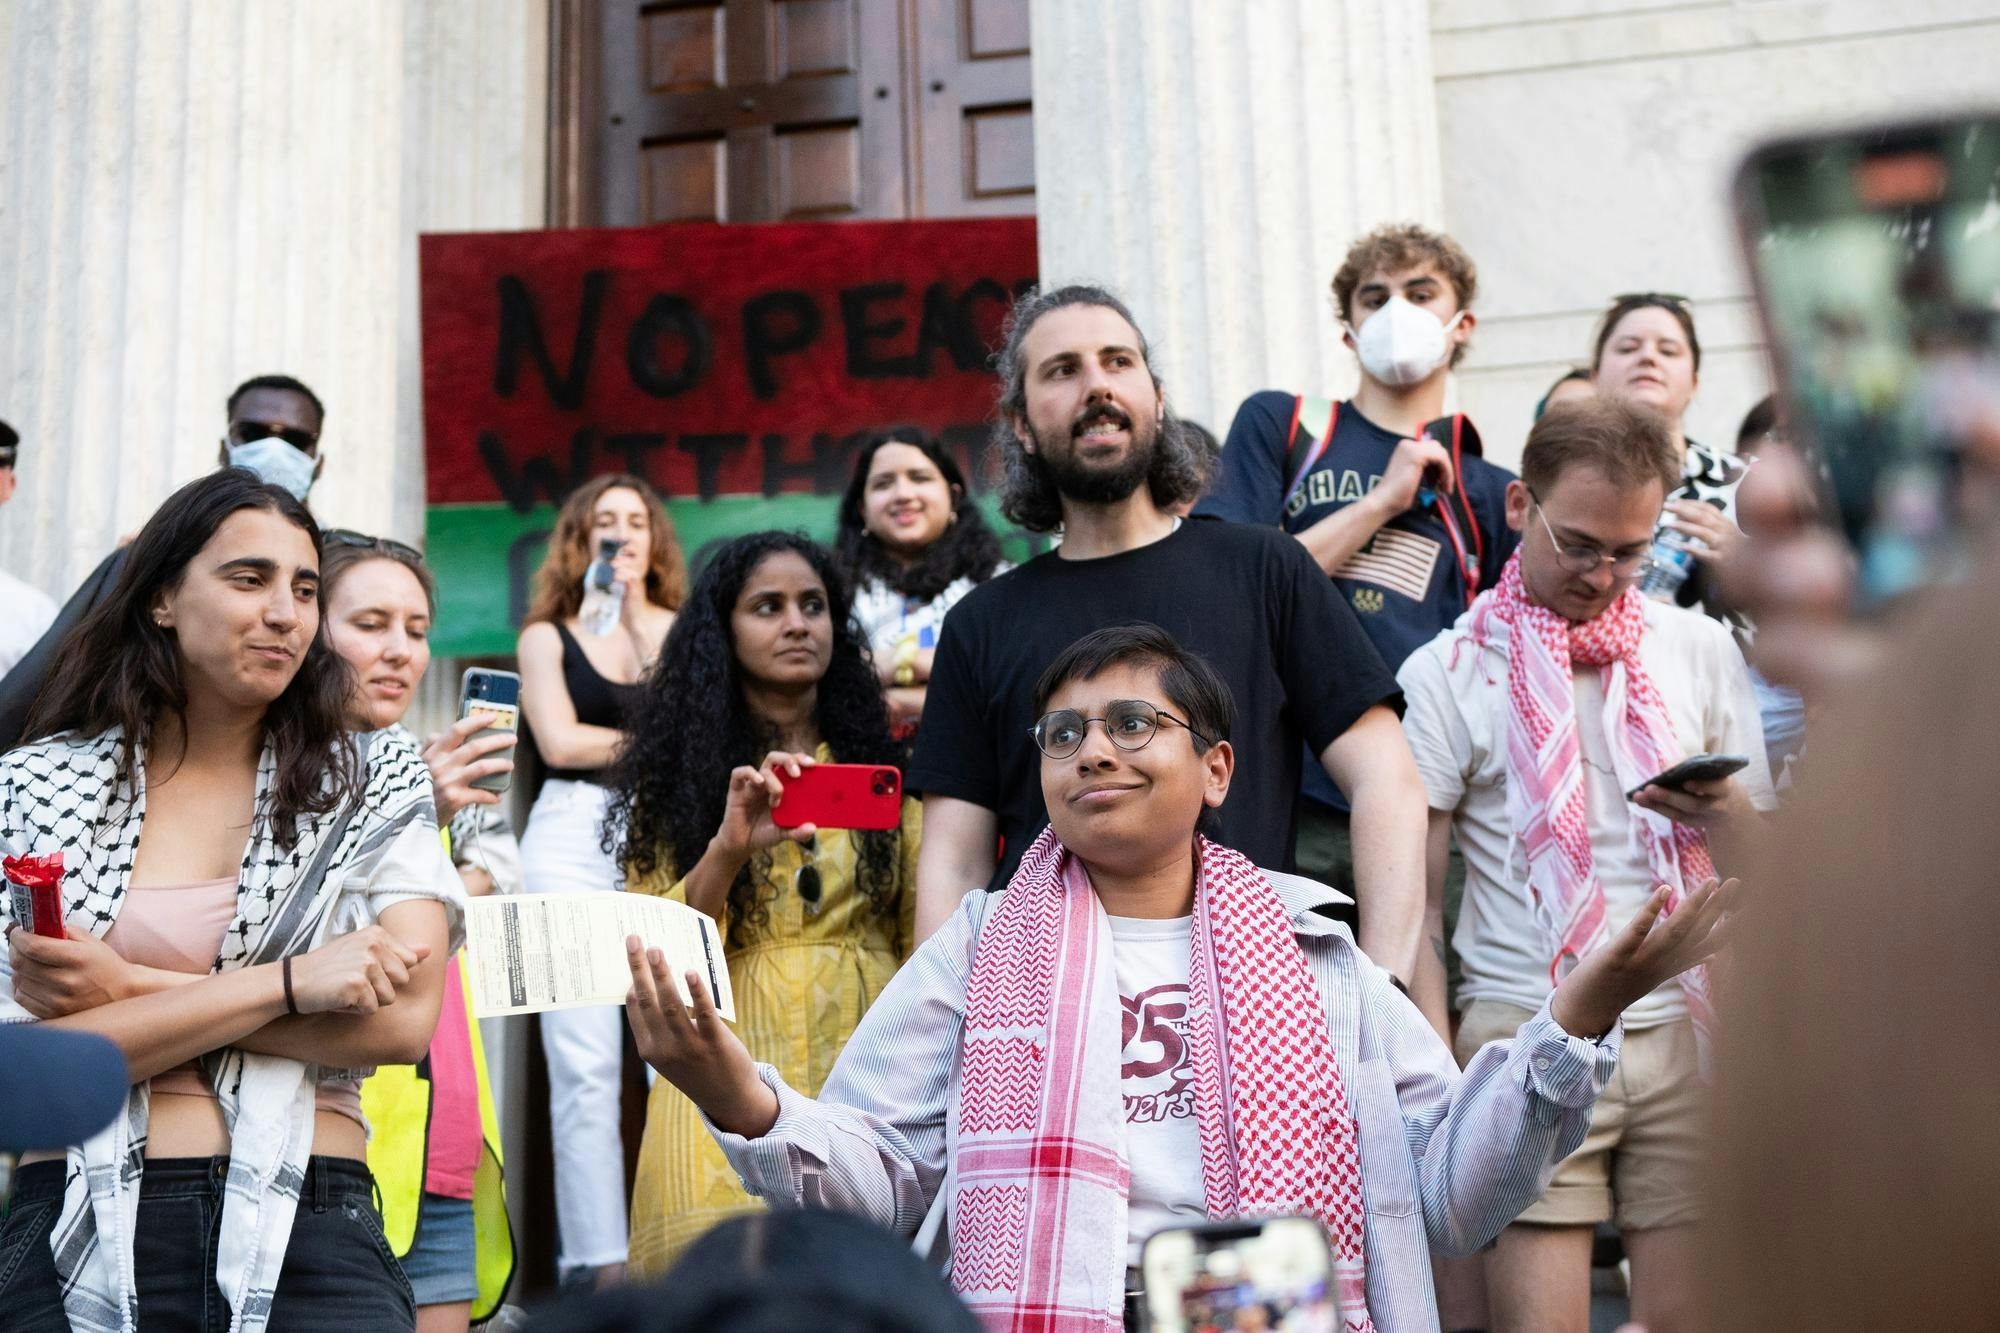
(670, 782)
(967, 548)
(118, 668)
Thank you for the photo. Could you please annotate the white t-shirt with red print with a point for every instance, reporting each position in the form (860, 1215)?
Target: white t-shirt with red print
(1162, 1136)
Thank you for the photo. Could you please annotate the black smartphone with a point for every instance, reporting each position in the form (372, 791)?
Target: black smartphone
(1256, 1273)
(496, 695)
(1875, 256)
(1698, 768)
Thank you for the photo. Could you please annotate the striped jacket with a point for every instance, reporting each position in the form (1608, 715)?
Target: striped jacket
(1448, 1158)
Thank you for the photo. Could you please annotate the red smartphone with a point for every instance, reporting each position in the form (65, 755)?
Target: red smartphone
(861, 796)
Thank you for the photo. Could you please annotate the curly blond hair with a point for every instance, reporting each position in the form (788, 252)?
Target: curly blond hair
(1404, 245)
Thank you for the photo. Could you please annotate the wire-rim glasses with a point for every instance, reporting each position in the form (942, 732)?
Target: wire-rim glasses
(1130, 723)
(1585, 559)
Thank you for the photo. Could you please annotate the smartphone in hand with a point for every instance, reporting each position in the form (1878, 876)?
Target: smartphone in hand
(495, 695)
(1253, 1273)
(852, 796)
(1699, 768)
(1876, 266)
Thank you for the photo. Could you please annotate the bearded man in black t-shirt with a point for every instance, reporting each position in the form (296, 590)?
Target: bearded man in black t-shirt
(1092, 450)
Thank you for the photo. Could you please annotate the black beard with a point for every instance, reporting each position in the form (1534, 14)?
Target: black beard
(1084, 484)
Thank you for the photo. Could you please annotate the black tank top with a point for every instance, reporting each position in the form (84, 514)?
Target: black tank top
(598, 702)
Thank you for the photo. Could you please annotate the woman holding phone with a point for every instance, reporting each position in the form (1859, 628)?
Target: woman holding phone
(256, 915)
(762, 677)
(576, 688)
(911, 544)
(434, 1144)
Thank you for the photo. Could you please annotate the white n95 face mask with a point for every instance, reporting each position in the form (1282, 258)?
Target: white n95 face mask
(1400, 343)
(276, 462)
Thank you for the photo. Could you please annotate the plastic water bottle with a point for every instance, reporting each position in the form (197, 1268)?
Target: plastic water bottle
(1673, 561)
(603, 594)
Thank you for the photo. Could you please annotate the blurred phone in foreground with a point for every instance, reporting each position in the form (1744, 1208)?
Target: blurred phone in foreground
(1254, 1274)
(1876, 259)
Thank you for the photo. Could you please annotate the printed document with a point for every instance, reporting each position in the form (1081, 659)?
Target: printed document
(528, 952)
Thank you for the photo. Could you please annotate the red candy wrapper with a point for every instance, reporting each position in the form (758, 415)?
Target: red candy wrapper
(35, 885)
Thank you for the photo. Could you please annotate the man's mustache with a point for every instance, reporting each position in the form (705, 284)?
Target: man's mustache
(1101, 412)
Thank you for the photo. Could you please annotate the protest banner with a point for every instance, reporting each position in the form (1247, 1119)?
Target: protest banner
(737, 368)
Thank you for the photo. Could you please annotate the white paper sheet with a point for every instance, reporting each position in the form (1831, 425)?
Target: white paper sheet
(528, 952)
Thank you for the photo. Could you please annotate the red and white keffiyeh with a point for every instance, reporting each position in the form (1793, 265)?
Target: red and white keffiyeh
(1038, 1230)
(1545, 790)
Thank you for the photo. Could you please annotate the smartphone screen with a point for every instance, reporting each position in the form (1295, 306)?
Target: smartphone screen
(1275, 1273)
(1876, 256)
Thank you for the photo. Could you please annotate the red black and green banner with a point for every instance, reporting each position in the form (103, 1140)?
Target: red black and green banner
(736, 368)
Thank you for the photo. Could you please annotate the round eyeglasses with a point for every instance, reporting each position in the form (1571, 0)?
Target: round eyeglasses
(1130, 723)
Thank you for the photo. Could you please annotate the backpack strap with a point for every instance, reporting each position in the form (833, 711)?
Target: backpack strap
(1458, 435)
(1305, 440)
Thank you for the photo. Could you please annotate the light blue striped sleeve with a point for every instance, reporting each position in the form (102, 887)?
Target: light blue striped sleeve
(873, 1142)
(1487, 1140)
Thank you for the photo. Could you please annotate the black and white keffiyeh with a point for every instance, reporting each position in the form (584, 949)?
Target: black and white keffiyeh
(67, 794)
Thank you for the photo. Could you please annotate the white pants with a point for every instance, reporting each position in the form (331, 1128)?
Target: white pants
(560, 853)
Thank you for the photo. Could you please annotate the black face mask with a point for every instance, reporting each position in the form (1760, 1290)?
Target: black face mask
(1087, 485)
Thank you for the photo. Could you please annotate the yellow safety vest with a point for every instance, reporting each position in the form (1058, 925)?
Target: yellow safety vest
(397, 1101)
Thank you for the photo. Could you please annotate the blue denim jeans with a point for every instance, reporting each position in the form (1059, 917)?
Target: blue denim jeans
(339, 1274)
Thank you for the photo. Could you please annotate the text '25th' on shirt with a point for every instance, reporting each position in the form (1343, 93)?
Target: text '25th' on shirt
(1248, 599)
(1156, 1076)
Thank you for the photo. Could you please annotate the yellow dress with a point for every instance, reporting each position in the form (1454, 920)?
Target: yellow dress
(802, 980)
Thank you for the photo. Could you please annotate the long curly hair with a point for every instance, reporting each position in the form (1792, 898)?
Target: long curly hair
(691, 726)
(119, 668)
(967, 548)
(558, 588)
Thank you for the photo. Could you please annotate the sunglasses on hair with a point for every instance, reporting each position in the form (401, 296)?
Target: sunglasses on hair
(249, 431)
(1652, 298)
(386, 545)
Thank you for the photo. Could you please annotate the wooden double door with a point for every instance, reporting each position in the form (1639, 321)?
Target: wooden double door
(760, 110)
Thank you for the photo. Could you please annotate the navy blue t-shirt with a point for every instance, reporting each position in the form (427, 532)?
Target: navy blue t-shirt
(1405, 585)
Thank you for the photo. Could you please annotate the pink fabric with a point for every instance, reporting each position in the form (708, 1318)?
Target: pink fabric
(1545, 791)
(452, 1155)
(174, 927)
(179, 928)
(1040, 1172)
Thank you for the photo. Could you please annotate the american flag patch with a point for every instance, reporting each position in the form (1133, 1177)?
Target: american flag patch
(1397, 560)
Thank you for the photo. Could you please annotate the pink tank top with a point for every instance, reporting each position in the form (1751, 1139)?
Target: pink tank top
(179, 928)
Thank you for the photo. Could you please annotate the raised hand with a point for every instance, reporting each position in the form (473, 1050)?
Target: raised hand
(456, 761)
(692, 1048)
(1414, 461)
(1651, 950)
(746, 816)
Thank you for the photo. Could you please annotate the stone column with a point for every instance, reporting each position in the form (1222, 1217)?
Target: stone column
(196, 191)
(1212, 162)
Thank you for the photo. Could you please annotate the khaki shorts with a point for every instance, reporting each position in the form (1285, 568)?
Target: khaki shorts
(1638, 1165)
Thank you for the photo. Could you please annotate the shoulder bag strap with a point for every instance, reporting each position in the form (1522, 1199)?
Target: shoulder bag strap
(1303, 448)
